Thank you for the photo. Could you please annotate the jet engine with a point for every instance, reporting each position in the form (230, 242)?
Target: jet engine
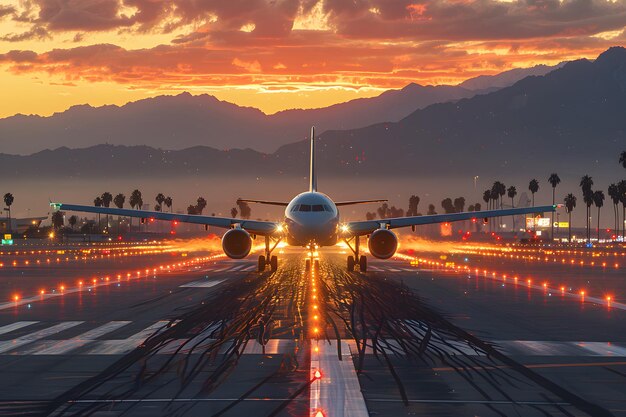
(383, 243)
(236, 243)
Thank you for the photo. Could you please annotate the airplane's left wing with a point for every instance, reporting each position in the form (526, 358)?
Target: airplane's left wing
(261, 228)
(366, 227)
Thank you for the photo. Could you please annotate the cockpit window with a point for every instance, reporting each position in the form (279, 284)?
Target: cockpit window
(318, 207)
(327, 208)
(305, 207)
(296, 207)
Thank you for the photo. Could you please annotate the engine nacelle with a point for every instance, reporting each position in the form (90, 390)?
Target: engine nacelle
(236, 243)
(383, 243)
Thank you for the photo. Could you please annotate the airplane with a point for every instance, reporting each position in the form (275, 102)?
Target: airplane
(311, 221)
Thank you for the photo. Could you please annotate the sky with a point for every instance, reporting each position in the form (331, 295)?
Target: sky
(279, 54)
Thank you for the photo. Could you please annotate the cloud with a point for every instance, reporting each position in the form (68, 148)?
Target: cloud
(6, 11)
(354, 44)
(36, 32)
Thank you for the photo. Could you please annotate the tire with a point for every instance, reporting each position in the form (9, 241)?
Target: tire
(274, 263)
(261, 263)
(317, 264)
(307, 265)
(350, 263)
(363, 264)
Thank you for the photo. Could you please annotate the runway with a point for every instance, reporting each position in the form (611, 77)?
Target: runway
(179, 332)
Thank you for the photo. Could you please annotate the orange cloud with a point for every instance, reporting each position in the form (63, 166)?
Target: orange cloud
(299, 45)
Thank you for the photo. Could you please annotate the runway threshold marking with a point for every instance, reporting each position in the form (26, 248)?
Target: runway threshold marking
(203, 283)
(338, 392)
(15, 326)
(8, 345)
(122, 346)
(61, 347)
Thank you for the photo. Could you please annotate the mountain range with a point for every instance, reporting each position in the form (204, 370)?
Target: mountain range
(569, 120)
(183, 121)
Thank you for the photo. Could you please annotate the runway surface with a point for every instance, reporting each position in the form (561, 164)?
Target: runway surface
(159, 329)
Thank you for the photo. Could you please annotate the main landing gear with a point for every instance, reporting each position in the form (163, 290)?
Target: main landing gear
(268, 258)
(355, 260)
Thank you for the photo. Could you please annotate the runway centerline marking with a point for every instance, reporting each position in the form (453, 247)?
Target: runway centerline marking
(337, 392)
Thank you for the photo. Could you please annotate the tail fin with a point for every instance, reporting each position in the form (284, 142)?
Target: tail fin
(312, 174)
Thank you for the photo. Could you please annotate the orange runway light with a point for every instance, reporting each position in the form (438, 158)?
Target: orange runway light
(316, 349)
(319, 414)
(16, 298)
(62, 287)
(317, 374)
(42, 292)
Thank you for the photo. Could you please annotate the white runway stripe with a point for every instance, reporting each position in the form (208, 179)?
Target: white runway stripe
(15, 326)
(122, 346)
(374, 268)
(248, 269)
(8, 345)
(203, 283)
(394, 270)
(602, 348)
(61, 347)
(337, 392)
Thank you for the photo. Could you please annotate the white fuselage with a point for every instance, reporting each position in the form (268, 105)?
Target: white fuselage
(312, 218)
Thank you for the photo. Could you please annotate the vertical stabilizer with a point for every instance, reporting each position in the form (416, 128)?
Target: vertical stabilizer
(312, 174)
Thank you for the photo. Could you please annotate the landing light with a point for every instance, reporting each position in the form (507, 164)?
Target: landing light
(280, 228)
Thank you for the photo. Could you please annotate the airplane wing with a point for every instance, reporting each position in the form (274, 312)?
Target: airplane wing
(366, 227)
(349, 203)
(271, 203)
(256, 227)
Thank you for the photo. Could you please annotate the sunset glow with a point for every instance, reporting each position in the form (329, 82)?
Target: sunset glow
(276, 55)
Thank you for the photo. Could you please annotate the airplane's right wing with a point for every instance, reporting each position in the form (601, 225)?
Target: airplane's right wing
(257, 227)
(360, 228)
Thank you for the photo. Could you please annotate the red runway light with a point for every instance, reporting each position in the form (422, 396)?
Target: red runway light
(317, 374)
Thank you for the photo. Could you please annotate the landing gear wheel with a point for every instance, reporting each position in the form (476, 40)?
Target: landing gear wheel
(261, 263)
(350, 263)
(363, 264)
(307, 265)
(317, 264)
(274, 263)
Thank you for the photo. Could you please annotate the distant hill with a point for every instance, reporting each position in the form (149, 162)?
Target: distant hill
(506, 78)
(570, 119)
(182, 121)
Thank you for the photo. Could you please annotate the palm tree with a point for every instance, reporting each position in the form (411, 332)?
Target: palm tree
(613, 192)
(533, 186)
(622, 159)
(570, 204)
(8, 200)
(554, 180)
(119, 201)
(107, 197)
(598, 200)
(72, 221)
(98, 203)
(168, 202)
(588, 199)
(487, 197)
(135, 201)
(621, 186)
(511, 192)
(586, 182)
(160, 198)
(201, 204)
